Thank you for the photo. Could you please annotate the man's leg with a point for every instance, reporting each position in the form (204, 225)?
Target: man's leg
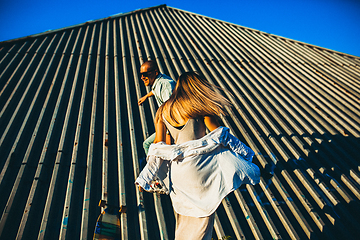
(148, 142)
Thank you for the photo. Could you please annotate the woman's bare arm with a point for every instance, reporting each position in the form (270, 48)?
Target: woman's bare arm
(211, 122)
(160, 130)
(160, 136)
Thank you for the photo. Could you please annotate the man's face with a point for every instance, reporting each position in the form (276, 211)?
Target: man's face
(148, 75)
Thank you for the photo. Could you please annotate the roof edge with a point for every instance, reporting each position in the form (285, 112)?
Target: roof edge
(270, 34)
(82, 24)
(164, 5)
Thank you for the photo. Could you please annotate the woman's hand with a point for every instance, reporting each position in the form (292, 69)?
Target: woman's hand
(140, 188)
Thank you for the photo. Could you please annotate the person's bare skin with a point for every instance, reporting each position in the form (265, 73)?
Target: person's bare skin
(148, 74)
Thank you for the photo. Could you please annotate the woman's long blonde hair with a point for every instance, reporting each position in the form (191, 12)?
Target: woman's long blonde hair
(192, 97)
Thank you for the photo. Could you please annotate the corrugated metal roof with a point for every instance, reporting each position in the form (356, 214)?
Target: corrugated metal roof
(72, 132)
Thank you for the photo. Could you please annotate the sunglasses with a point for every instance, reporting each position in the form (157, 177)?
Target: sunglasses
(146, 74)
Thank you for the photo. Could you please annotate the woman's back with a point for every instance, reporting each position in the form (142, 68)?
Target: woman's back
(193, 129)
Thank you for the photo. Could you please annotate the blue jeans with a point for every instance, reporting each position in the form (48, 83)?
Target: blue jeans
(148, 142)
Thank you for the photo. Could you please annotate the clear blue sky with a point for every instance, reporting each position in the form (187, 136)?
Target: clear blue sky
(333, 24)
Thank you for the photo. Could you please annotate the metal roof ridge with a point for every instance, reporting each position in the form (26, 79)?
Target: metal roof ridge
(270, 34)
(117, 15)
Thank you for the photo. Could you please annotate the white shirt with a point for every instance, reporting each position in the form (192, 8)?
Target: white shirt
(198, 174)
(162, 88)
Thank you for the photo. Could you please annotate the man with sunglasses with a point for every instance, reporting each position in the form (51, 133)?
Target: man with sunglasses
(162, 87)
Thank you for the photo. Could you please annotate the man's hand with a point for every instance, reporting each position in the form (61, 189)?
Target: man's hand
(142, 99)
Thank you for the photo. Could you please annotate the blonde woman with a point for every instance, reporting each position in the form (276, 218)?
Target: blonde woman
(200, 169)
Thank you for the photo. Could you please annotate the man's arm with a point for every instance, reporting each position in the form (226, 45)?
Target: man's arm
(142, 99)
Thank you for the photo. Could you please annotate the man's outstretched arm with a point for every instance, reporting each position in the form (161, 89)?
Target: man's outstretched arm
(143, 99)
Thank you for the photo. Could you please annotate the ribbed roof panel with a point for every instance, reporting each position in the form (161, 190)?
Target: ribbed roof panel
(71, 129)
